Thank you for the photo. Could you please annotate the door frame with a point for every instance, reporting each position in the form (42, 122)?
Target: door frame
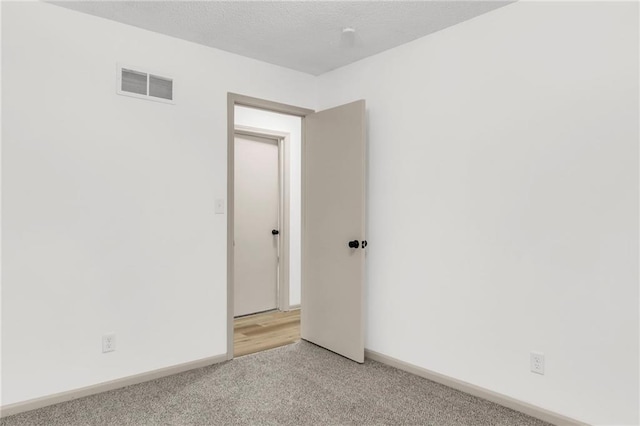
(283, 140)
(234, 99)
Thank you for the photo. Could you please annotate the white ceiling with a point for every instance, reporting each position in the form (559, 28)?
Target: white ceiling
(302, 35)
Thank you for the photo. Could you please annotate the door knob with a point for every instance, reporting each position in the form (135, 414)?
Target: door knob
(354, 244)
(274, 232)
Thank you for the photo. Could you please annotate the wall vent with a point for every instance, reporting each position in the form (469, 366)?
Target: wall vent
(142, 84)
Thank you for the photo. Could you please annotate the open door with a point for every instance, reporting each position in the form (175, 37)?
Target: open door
(333, 234)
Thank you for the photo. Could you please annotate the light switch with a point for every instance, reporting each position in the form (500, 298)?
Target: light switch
(219, 206)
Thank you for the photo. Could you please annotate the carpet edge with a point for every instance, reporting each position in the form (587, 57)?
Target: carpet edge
(57, 398)
(471, 389)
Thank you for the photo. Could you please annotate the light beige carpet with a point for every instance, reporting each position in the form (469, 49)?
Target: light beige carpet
(298, 384)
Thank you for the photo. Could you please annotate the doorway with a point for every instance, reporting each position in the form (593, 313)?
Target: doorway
(267, 229)
(332, 223)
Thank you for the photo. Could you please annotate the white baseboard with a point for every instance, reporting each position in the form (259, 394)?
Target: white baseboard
(505, 401)
(32, 404)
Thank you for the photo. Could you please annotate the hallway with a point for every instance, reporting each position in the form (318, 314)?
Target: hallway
(267, 330)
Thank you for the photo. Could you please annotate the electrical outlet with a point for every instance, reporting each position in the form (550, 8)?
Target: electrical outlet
(537, 362)
(109, 342)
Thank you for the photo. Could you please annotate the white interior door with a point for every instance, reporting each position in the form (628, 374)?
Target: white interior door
(333, 215)
(257, 198)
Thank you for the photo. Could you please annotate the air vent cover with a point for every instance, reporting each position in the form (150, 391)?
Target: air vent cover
(160, 87)
(138, 83)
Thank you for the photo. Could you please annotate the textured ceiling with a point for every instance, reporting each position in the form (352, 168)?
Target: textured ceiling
(302, 35)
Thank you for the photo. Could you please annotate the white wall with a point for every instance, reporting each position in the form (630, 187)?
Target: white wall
(293, 125)
(108, 201)
(503, 203)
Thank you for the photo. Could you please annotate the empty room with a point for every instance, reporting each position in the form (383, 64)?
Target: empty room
(320, 213)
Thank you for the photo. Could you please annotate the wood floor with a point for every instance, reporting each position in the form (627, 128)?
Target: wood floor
(255, 333)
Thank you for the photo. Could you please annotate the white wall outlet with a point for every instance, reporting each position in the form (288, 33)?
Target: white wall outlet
(537, 362)
(219, 206)
(109, 342)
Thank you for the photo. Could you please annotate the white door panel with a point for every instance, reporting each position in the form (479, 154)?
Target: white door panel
(334, 213)
(257, 198)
